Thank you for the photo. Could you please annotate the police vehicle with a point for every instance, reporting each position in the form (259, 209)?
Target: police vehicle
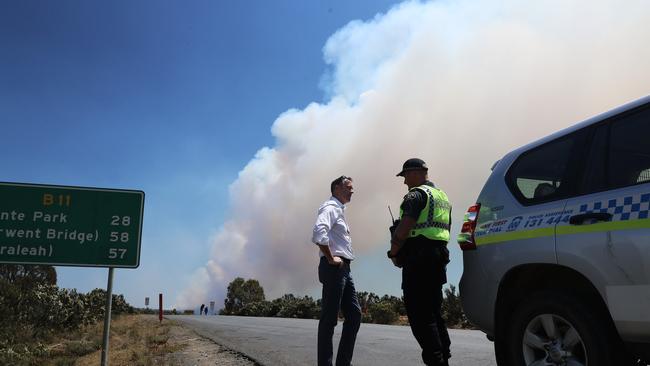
(556, 249)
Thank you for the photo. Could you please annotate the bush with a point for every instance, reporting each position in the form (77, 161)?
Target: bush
(32, 311)
(303, 308)
(452, 310)
(20, 354)
(80, 348)
(257, 308)
(383, 313)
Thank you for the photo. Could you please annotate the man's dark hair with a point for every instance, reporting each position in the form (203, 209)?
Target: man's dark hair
(339, 181)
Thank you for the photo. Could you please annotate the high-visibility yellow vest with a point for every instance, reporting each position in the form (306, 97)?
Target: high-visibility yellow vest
(433, 221)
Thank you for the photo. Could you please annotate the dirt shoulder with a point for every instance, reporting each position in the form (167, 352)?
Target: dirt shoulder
(143, 340)
(199, 351)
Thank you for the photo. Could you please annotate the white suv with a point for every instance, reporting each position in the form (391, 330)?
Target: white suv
(557, 248)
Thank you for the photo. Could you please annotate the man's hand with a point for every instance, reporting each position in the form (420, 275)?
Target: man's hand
(395, 262)
(395, 246)
(332, 260)
(336, 261)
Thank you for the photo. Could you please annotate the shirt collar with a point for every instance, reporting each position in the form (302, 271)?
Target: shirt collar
(337, 202)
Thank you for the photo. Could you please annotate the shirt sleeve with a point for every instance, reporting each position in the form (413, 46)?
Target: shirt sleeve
(414, 203)
(323, 225)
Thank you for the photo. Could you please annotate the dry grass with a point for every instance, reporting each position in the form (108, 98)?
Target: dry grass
(139, 340)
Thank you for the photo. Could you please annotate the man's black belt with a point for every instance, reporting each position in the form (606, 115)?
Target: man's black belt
(345, 260)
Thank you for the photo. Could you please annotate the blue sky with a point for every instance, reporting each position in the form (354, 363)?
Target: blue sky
(171, 97)
(234, 116)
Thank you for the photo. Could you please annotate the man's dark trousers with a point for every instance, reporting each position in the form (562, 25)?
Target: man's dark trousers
(423, 275)
(338, 294)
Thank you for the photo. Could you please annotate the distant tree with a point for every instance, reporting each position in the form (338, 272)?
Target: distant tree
(241, 293)
(397, 303)
(258, 308)
(362, 296)
(295, 307)
(22, 288)
(452, 309)
(383, 313)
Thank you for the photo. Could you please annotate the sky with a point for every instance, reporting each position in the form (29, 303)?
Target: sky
(234, 116)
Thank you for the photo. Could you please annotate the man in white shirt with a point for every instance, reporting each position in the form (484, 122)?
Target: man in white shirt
(332, 235)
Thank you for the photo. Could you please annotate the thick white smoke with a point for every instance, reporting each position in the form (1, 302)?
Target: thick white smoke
(457, 83)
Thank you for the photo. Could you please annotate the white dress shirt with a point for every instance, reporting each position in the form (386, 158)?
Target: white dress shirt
(332, 230)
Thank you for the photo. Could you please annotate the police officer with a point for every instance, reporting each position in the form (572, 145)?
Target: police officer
(419, 247)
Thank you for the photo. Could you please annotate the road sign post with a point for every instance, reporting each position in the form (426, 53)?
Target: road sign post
(107, 317)
(72, 226)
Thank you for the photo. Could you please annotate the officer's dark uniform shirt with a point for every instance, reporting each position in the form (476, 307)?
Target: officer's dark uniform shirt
(415, 201)
(420, 247)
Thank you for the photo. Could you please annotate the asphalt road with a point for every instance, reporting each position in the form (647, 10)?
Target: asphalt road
(279, 341)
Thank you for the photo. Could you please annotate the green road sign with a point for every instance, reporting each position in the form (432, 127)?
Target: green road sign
(70, 226)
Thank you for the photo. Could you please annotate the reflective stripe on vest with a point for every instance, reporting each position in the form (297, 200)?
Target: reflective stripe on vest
(433, 221)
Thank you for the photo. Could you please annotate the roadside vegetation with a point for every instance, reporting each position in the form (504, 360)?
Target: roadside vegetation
(138, 340)
(246, 298)
(42, 324)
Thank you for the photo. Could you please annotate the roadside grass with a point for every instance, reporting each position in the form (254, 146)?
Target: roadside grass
(139, 340)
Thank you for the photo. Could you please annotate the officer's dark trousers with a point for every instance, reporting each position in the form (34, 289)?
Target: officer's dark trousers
(338, 294)
(423, 275)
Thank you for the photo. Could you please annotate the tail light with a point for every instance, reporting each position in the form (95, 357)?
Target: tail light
(466, 237)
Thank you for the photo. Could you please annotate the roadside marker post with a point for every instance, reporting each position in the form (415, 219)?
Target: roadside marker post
(72, 226)
(160, 307)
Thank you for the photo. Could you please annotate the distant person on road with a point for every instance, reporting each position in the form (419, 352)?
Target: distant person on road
(201, 311)
(206, 310)
(332, 235)
(419, 247)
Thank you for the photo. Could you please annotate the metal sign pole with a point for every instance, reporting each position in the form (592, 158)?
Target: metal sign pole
(107, 316)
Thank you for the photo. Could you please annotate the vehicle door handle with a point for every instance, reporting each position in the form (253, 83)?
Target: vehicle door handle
(598, 216)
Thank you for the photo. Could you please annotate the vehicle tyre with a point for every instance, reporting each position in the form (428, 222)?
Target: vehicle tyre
(557, 328)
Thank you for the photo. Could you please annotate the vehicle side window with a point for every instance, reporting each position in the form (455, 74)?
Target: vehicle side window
(629, 150)
(595, 179)
(620, 154)
(540, 175)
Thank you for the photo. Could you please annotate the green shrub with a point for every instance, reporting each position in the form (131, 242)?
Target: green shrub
(20, 354)
(80, 348)
(383, 313)
(452, 310)
(33, 309)
(158, 339)
(65, 361)
(293, 307)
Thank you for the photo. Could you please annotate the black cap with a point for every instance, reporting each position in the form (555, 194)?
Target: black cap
(413, 164)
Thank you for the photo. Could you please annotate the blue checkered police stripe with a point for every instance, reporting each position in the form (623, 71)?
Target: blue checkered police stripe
(622, 208)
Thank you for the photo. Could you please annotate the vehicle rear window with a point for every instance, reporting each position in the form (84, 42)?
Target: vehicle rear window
(620, 153)
(539, 175)
(629, 150)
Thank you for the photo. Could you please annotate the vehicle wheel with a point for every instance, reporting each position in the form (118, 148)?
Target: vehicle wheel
(556, 328)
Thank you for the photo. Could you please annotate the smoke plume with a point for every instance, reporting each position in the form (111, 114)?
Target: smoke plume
(456, 83)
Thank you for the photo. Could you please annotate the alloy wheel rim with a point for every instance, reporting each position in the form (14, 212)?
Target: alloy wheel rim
(551, 340)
